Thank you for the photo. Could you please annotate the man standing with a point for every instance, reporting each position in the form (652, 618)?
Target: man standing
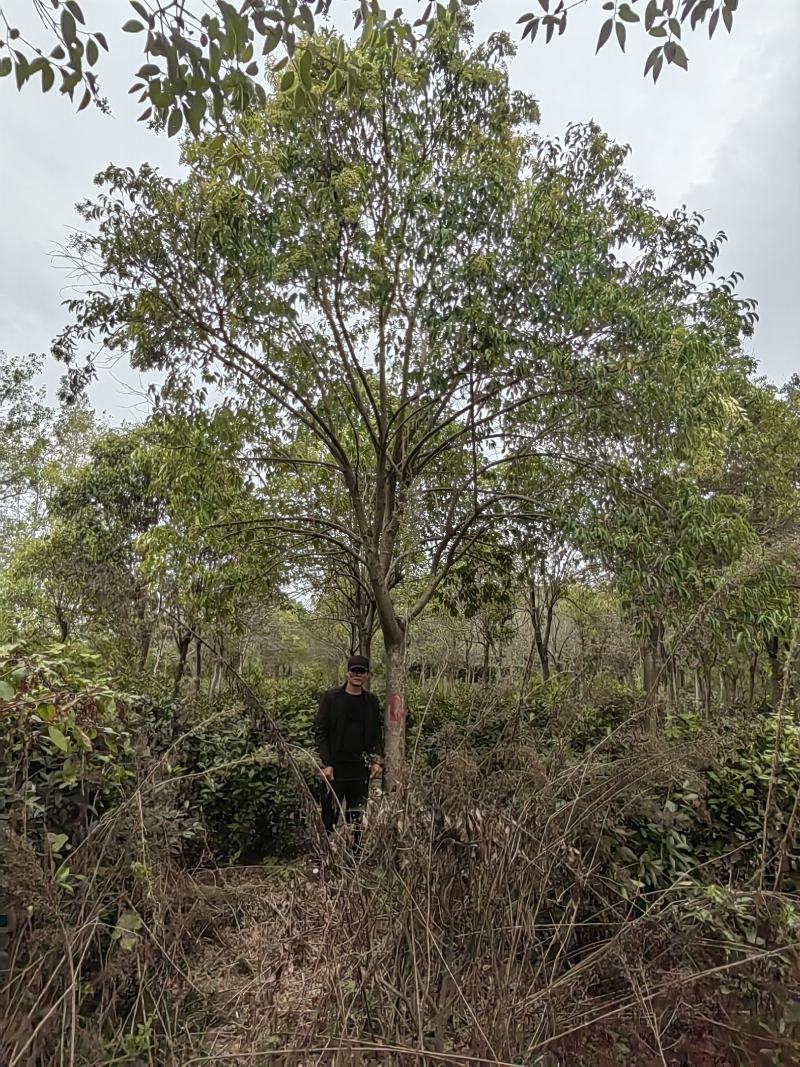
(348, 732)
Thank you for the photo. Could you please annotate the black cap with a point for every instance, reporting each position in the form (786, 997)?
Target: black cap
(358, 661)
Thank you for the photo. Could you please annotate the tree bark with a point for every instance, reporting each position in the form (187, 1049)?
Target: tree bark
(144, 650)
(541, 638)
(183, 643)
(198, 663)
(651, 673)
(394, 739)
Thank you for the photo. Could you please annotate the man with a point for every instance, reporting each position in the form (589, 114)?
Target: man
(348, 732)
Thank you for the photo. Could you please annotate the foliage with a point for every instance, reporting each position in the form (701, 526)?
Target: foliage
(66, 754)
(73, 747)
(247, 801)
(202, 62)
(36, 445)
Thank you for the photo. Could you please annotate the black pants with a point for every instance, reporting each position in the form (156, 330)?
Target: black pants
(349, 789)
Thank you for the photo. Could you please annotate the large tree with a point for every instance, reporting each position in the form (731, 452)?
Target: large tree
(415, 268)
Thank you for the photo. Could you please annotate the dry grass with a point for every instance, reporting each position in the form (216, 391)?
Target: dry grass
(485, 924)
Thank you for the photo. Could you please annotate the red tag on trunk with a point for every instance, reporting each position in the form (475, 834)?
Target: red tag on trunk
(395, 713)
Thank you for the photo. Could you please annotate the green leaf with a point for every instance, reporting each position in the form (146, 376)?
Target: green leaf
(287, 81)
(129, 920)
(306, 19)
(651, 59)
(627, 14)
(679, 58)
(605, 33)
(92, 52)
(5, 67)
(48, 78)
(197, 110)
(6, 692)
(58, 738)
(304, 69)
(133, 26)
(21, 70)
(272, 39)
(174, 122)
(69, 29)
(76, 11)
(57, 841)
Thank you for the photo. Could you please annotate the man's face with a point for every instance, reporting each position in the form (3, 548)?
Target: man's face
(357, 677)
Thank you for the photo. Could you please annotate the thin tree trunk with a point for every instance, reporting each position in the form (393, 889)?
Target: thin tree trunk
(183, 643)
(144, 650)
(541, 639)
(650, 670)
(198, 664)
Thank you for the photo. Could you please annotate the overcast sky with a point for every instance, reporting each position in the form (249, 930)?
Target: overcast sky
(723, 139)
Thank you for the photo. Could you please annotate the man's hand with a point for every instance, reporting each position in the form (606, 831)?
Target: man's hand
(327, 772)
(376, 770)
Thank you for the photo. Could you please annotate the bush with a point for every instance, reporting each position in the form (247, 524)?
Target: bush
(65, 754)
(245, 798)
(91, 833)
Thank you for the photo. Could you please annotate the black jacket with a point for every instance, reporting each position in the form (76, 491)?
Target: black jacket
(329, 725)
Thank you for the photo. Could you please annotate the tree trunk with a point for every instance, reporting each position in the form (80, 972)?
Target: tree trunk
(651, 673)
(394, 739)
(183, 643)
(144, 650)
(61, 619)
(198, 664)
(540, 638)
(365, 644)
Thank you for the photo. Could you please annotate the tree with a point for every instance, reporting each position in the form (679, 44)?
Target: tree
(413, 267)
(762, 472)
(25, 422)
(37, 445)
(208, 561)
(156, 530)
(204, 59)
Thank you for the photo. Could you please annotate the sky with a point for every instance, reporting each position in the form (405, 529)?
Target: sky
(723, 139)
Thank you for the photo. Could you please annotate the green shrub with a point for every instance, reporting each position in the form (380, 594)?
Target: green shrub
(239, 789)
(65, 753)
(72, 746)
(764, 766)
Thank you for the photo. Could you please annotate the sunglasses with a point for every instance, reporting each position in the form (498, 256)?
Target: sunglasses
(359, 670)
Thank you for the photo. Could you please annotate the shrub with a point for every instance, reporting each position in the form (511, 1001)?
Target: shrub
(91, 832)
(246, 799)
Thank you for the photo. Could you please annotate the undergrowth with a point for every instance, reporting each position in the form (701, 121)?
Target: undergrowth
(547, 887)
